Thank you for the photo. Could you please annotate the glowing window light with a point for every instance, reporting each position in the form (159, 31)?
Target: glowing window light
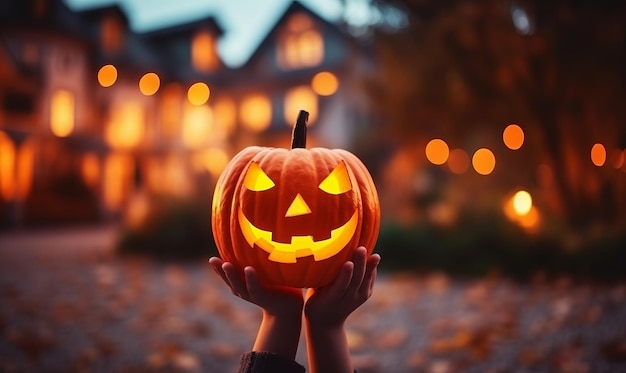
(127, 126)
(198, 94)
(598, 154)
(90, 169)
(256, 112)
(62, 108)
(458, 161)
(297, 98)
(171, 109)
(24, 171)
(484, 161)
(118, 169)
(203, 55)
(325, 83)
(107, 75)
(149, 84)
(197, 126)
(522, 202)
(7, 167)
(301, 45)
(437, 151)
(513, 136)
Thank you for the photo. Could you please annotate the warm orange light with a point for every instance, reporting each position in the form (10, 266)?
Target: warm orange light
(197, 126)
(117, 172)
(519, 209)
(203, 55)
(598, 154)
(213, 160)
(437, 151)
(484, 161)
(90, 170)
(522, 202)
(325, 83)
(107, 75)
(171, 109)
(458, 161)
(298, 98)
(149, 84)
(513, 136)
(256, 112)
(7, 167)
(198, 94)
(127, 126)
(225, 114)
(62, 108)
(24, 174)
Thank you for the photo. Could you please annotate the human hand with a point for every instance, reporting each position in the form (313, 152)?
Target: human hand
(275, 301)
(332, 304)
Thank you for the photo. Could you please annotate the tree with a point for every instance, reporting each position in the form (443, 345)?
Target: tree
(557, 68)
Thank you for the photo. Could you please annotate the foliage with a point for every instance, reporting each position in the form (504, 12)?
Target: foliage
(463, 69)
(480, 245)
(173, 228)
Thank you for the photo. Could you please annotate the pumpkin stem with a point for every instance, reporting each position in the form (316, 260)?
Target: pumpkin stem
(298, 139)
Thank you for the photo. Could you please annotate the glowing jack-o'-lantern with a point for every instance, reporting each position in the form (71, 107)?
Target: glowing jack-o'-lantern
(296, 215)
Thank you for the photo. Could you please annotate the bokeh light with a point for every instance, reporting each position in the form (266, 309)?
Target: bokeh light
(458, 161)
(198, 94)
(437, 151)
(598, 154)
(149, 84)
(325, 83)
(484, 161)
(107, 75)
(513, 137)
(256, 112)
(522, 202)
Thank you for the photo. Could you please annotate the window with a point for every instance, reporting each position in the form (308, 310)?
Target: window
(203, 54)
(62, 109)
(111, 33)
(301, 44)
(126, 128)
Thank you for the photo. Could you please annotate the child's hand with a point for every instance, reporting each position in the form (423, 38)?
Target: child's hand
(275, 301)
(331, 305)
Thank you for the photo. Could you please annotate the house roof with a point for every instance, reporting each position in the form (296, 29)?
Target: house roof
(295, 7)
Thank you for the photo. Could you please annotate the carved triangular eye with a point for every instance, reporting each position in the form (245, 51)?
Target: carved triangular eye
(338, 181)
(256, 179)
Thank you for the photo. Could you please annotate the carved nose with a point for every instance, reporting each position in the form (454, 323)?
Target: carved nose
(298, 207)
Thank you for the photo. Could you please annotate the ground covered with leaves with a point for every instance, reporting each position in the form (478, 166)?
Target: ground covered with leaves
(68, 303)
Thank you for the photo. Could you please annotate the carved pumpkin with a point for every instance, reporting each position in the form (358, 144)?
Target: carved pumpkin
(296, 215)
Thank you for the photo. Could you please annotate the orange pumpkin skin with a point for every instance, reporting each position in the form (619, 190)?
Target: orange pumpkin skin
(303, 207)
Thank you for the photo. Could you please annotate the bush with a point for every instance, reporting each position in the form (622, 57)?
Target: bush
(479, 245)
(172, 229)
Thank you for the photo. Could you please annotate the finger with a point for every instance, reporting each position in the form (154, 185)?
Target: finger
(252, 282)
(370, 275)
(338, 288)
(217, 263)
(237, 284)
(359, 259)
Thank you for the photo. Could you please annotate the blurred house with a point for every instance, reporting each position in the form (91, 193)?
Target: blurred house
(91, 111)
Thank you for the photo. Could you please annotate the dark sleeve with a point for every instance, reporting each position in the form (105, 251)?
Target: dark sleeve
(267, 362)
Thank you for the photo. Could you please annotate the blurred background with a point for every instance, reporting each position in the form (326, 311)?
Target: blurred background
(495, 132)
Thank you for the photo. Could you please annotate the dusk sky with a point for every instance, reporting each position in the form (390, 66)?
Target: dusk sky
(245, 22)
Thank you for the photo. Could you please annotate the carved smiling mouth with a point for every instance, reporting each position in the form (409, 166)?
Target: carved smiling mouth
(300, 246)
